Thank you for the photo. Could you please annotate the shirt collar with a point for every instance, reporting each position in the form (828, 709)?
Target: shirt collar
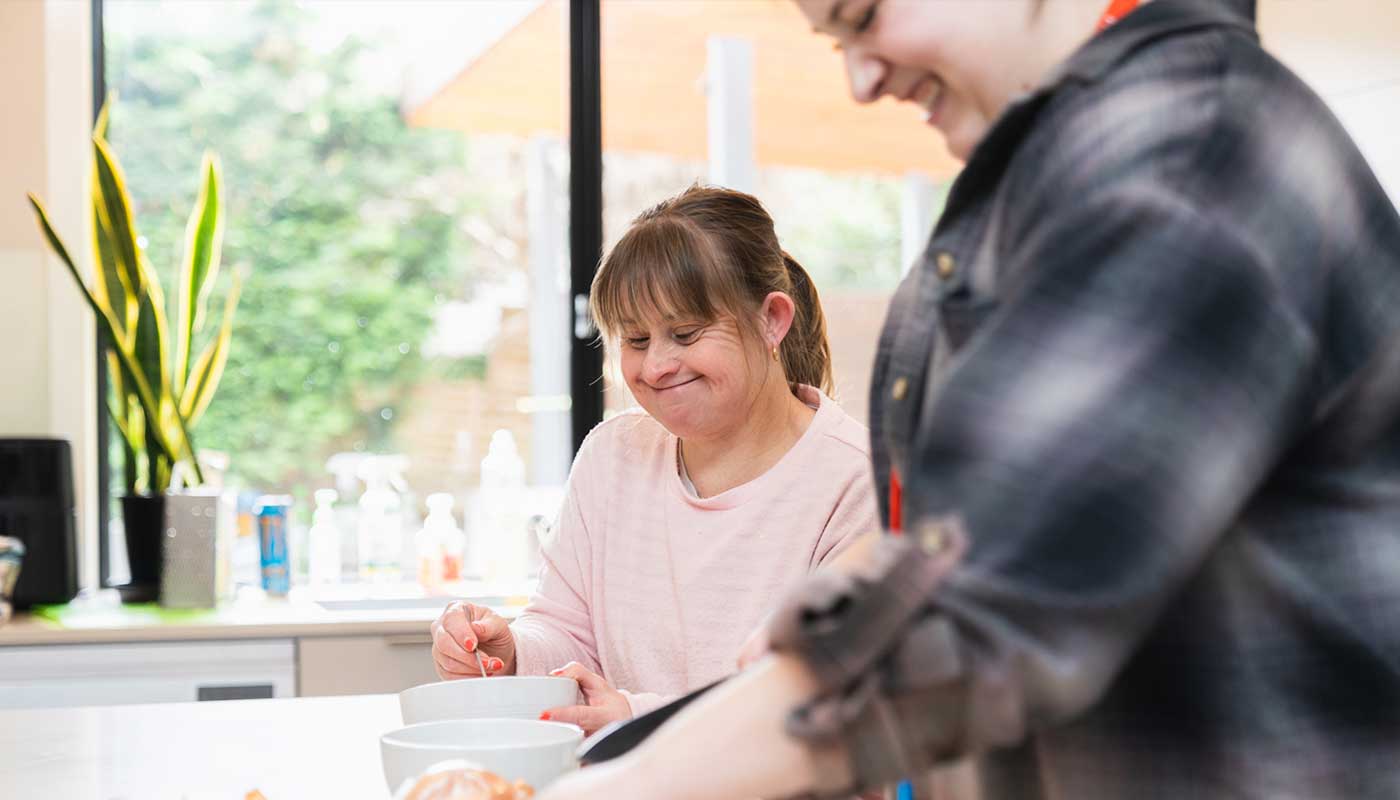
(1087, 65)
(1147, 24)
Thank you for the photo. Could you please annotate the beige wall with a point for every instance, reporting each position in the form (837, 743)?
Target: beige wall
(23, 312)
(46, 334)
(1349, 51)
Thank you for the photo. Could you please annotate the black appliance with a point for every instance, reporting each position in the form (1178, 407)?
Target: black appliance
(36, 507)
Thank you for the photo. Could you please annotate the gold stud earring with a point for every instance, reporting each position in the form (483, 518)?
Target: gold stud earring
(775, 353)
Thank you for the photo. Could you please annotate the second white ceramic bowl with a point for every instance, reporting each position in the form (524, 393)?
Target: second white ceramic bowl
(510, 697)
(516, 749)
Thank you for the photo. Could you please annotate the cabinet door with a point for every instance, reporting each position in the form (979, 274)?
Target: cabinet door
(340, 665)
(54, 676)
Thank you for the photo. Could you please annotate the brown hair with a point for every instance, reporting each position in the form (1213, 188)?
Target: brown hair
(709, 252)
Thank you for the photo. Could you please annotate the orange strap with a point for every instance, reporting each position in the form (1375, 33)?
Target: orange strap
(1117, 9)
(896, 503)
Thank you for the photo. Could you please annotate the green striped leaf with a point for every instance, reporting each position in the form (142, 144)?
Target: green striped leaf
(131, 371)
(151, 346)
(203, 242)
(209, 367)
(114, 208)
(111, 286)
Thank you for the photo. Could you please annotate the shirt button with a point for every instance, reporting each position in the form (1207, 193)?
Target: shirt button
(946, 265)
(900, 388)
(932, 538)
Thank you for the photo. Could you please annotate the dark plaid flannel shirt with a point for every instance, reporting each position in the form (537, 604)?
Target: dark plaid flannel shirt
(1149, 367)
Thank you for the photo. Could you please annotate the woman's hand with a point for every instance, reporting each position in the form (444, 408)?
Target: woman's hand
(601, 703)
(467, 636)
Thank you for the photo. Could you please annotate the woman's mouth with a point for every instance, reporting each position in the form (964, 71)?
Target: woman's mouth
(663, 389)
(929, 97)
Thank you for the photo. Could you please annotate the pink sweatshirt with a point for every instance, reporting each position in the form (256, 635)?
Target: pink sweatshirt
(656, 589)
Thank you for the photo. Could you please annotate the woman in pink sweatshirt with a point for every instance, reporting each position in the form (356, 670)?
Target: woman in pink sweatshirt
(686, 520)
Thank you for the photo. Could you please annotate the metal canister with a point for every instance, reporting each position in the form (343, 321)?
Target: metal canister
(272, 540)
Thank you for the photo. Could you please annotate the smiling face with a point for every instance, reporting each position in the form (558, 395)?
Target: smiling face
(696, 299)
(960, 61)
(698, 379)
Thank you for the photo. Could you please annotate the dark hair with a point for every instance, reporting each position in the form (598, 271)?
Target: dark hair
(709, 252)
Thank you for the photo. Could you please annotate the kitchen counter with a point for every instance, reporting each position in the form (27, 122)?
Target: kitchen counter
(250, 618)
(325, 747)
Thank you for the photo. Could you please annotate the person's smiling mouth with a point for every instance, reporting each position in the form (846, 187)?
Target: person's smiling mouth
(660, 389)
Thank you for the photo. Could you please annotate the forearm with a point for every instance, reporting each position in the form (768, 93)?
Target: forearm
(731, 743)
(642, 702)
(543, 644)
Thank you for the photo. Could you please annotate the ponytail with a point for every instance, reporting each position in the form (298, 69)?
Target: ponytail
(805, 352)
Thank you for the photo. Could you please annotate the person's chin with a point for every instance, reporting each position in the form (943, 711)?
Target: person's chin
(680, 425)
(961, 135)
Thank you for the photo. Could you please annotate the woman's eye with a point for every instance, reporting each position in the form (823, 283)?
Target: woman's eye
(636, 342)
(686, 337)
(866, 19)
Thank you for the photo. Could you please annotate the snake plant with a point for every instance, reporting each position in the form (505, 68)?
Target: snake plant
(159, 391)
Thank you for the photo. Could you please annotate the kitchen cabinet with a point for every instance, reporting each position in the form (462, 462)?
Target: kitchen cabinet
(345, 665)
(61, 676)
(129, 655)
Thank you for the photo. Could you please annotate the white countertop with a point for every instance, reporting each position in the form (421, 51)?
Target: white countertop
(300, 749)
(257, 618)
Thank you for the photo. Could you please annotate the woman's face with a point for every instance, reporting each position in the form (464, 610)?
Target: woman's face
(698, 379)
(960, 61)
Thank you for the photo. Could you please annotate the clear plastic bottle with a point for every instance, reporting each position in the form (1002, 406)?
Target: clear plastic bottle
(380, 521)
(439, 546)
(324, 540)
(502, 534)
(345, 467)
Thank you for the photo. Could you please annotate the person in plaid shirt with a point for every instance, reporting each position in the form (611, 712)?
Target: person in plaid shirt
(1143, 396)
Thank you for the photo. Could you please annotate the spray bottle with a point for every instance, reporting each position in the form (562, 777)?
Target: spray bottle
(379, 527)
(345, 466)
(502, 534)
(439, 545)
(323, 544)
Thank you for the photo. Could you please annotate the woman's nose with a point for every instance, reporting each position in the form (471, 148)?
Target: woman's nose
(658, 362)
(866, 74)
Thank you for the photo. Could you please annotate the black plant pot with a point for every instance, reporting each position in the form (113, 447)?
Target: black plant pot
(143, 517)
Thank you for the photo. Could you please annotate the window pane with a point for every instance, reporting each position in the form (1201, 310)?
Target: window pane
(404, 257)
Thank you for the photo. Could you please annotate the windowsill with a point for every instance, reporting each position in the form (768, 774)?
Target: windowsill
(344, 610)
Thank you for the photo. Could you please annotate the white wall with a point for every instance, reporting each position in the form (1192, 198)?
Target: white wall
(46, 333)
(1349, 51)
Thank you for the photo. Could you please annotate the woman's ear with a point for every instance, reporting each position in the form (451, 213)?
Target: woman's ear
(776, 315)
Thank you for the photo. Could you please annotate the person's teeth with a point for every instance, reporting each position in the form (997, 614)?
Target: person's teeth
(931, 101)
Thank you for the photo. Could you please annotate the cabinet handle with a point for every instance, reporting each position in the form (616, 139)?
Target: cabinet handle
(408, 639)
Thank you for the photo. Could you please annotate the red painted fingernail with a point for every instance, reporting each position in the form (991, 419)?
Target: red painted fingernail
(496, 664)
(544, 716)
(470, 644)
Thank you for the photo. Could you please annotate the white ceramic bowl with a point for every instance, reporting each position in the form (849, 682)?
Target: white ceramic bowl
(508, 697)
(516, 749)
